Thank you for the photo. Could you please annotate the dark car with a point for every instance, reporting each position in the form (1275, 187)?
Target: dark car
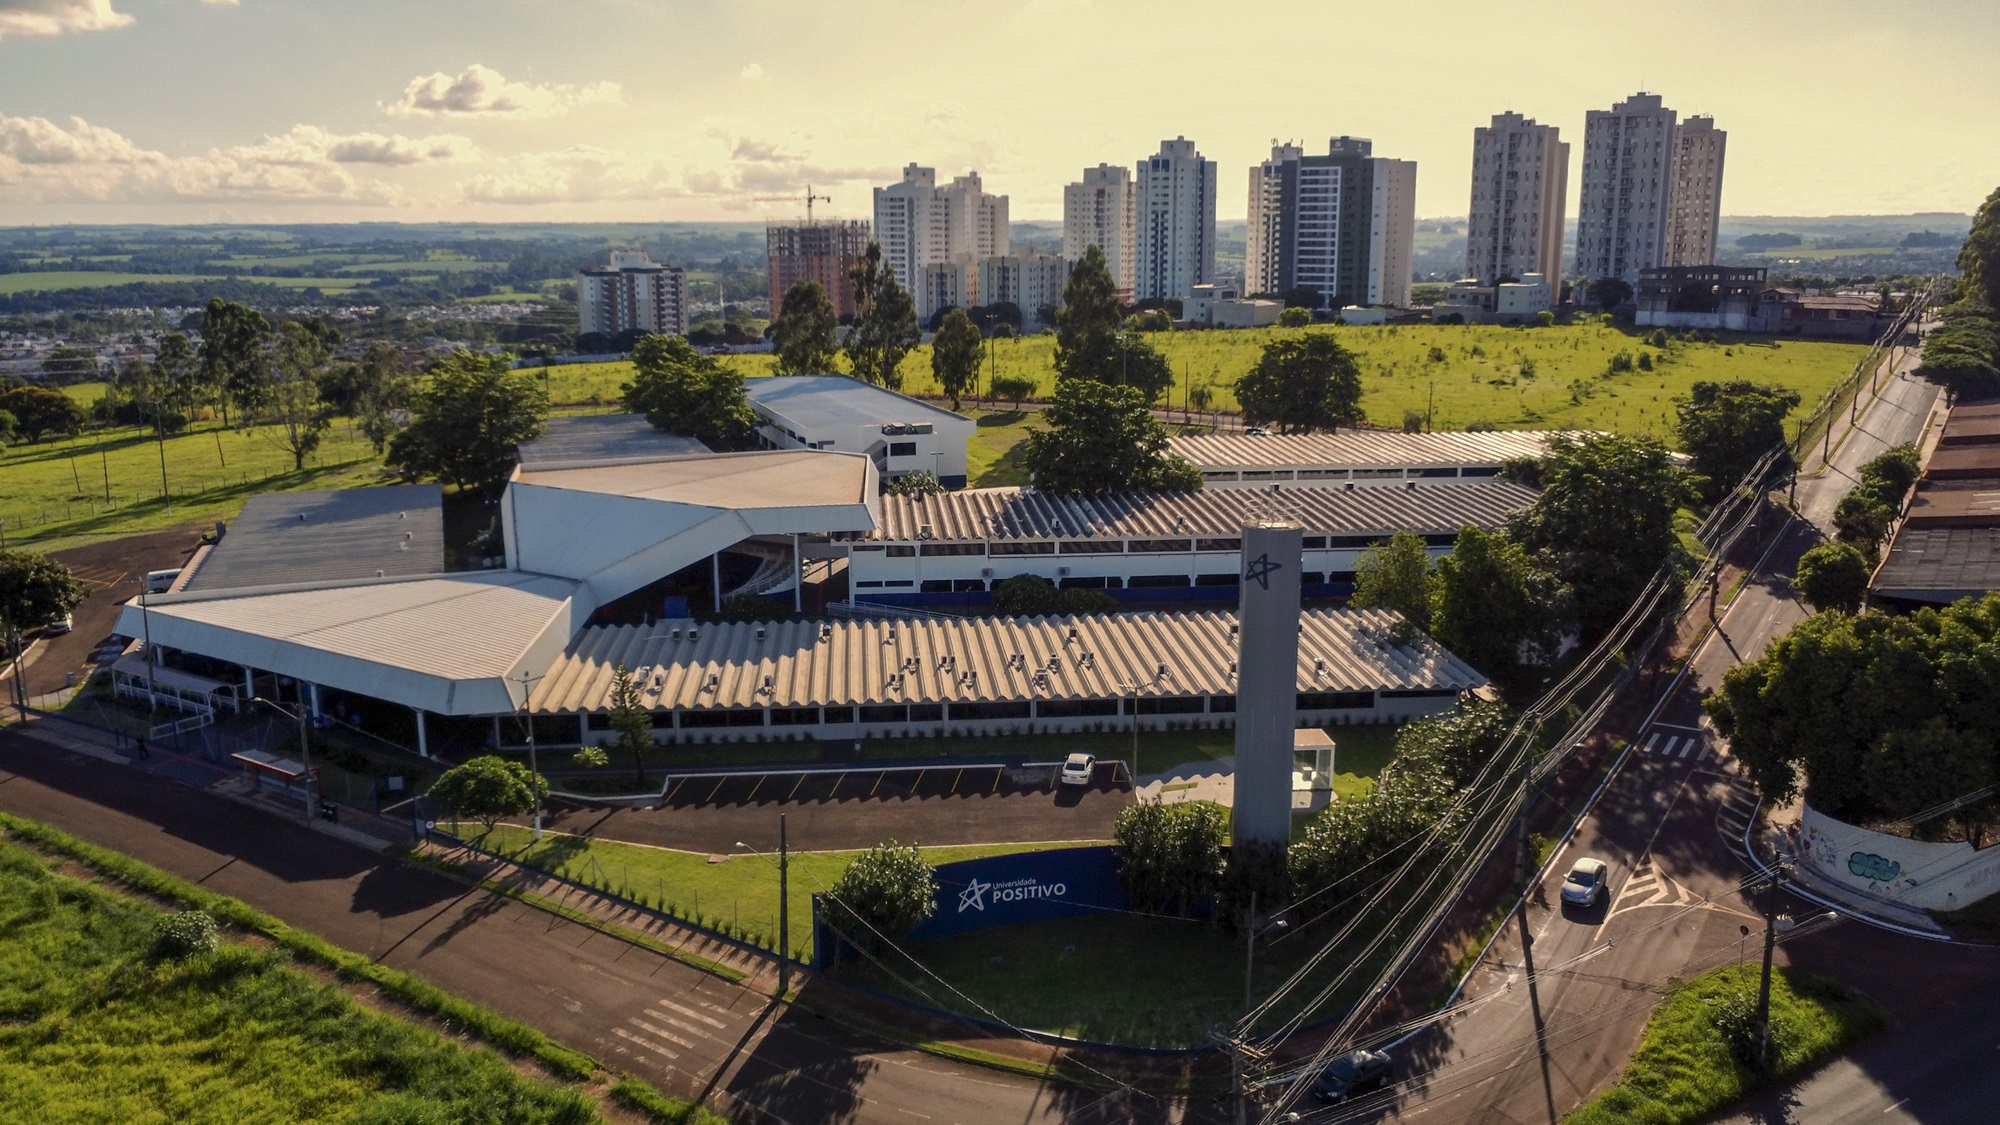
(1355, 1073)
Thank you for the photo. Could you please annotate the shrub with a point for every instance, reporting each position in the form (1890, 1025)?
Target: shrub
(184, 933)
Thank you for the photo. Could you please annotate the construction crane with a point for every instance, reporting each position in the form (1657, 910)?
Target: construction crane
(810, 198)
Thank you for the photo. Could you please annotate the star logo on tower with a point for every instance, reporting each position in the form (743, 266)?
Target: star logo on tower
(973, 897)
(1260, 570)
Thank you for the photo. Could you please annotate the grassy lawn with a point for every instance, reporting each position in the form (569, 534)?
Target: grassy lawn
(1125, 978)
(53, 280)
(53, 491)
(993, 456)
(738, 895)
(93, 1029)
(1684, 1071)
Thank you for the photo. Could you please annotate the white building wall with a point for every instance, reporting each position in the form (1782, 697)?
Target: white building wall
(903, 220)
(877, 570)
(1098, 211)
(930, 443)
(1392, 231)
(1176, 221)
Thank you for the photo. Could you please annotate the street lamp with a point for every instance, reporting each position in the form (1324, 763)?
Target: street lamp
(1131, 690)
(534, 769)
(784, 904)
(305, 750)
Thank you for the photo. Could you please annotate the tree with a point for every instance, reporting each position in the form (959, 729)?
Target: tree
(682, 391)
(1024, 595)
(1873, 717)
(1492, 605)
(1609, 292)
(1304, 384)
(1089, 343)
(1012, 388)
(804, 332)
(885, 323)
(882, 895)
(920, 483)
(35, 590)
(1979, 255)
(1295, 317)
(955, 356)
(1098, 437)
(631, 723)
(383, 390)
(1396, 576)
(1725, 427)
(467, 419)
(291, 402)
(233, 362)
(1169, 855)
(1962, 354)
(38, 411)
(487, 788)
(175, 376)
(1604, 523)
(1864, 515)
(1833, 576)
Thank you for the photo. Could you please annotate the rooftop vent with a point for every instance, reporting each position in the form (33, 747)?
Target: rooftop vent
(825, 632)
(760, 632)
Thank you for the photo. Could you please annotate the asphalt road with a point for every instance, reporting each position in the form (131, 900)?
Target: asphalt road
(683, 1030)
(1557, 1006)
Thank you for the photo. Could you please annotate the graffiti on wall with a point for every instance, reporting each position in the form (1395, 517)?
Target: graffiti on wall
(1874, 867)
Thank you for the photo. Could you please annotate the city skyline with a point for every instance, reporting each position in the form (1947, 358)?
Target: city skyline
(529, 113)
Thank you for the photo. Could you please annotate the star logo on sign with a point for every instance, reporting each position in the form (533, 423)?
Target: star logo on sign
(1260, 571)
(973, 897)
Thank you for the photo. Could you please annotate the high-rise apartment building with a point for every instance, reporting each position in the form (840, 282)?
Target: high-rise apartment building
(1637, 158)
(632, 293)
(1520, 180)
(1697, 194)
(920, 224)
(1264, 233)
(1029, 282)
(1174, 245)
(815, 251)
(1098, 211)
(1342, 225)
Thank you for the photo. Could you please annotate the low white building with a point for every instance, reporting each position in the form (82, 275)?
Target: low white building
(1357, 458)
(951, 549)
(901, 435)
(1509, 302)
(1361, 314)
(1223, 306)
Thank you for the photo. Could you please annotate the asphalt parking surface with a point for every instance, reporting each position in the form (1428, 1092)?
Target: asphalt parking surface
(934, 805)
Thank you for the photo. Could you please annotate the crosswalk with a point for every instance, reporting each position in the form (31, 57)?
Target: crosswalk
(667, 1022)
(1693, 744)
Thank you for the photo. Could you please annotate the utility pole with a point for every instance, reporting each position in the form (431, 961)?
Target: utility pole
(160, 432)
(534, 768)
(1770, 942)
(784, 910)
(1236, 1042)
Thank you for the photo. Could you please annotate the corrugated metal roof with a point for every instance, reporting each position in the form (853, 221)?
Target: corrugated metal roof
(1940, 564)
(1361, 449)
(603, 437)
(1955, 507)
(839, 400)
(1963, 462)
(1019, 513)
(930, 660)
(787, 478)
(286, 537)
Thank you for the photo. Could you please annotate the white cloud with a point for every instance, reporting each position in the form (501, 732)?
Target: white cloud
(754, 72)
(574, 175)
(42, 161)
(53, 17)
(480, 91)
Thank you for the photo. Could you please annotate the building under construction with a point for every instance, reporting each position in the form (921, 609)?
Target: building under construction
(816, 251)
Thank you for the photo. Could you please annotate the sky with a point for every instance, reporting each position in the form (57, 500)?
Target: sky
(168, 111)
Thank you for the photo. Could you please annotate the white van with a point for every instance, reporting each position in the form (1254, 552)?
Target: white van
(160, 581)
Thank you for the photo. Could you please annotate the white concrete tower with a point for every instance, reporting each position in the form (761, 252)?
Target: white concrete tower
(1625, 206)
(1097, 211)
(1176, 221)
(1697, 198)
(1267, 679)
(1520, 180)
(1264, 237)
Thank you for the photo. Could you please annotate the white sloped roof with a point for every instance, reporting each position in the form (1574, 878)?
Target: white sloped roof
(446, 644)
(812, 663)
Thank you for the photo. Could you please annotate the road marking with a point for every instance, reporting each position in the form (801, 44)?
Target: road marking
(913, 1113)
(694, 1015)
(644, 1042)
(662, 1032)
(1690, 746)
(1677, 726)
(665, 1018)
(1894, 1106)
(1667, 751)
(1652, 742)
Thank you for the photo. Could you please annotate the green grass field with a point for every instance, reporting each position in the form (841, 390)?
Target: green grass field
(737, 896)
(1684, 1071)
(53, 492)
(1480, 377)
(93, 1029)
(11, 283)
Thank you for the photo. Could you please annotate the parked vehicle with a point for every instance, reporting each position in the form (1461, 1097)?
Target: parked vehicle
(1585, 882)
(59, 626)
(1078, 768)
(160, 581)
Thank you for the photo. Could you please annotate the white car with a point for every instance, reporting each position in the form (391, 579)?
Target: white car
(60, 625)
(1585, 882)
(1077, 769)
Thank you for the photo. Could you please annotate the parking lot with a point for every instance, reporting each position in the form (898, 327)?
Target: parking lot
(860, 807)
